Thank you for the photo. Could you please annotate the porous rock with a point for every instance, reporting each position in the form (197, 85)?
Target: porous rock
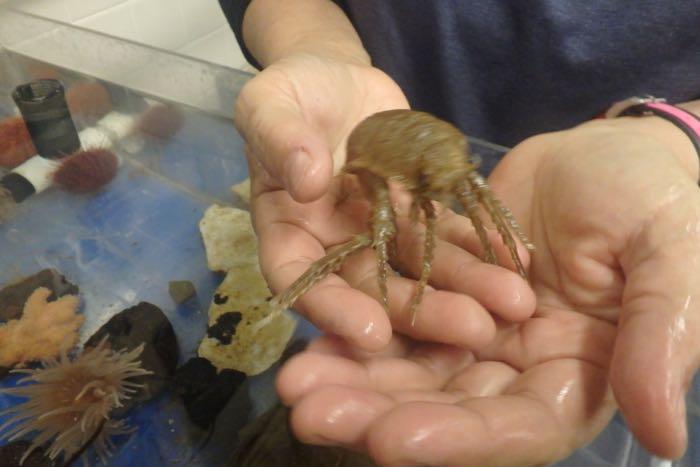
(228, 237)
(233, 340)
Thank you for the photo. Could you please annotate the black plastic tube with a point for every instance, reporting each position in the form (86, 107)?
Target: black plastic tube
(19, 187)
(45, 111)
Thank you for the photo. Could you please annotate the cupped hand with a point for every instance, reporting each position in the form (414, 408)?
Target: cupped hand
(295, 117)
(615, 217)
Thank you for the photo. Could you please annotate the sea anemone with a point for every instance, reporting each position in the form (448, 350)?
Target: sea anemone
(87, 171)
(69, 403)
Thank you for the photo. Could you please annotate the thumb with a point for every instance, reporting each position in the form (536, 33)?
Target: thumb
(656, 352)
(286, 145)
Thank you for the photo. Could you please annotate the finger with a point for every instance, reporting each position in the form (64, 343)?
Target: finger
(335, 307)
(311, 371)
(337, 415)
(552, 334)
(398, 346)
(500, 290)
(414, 395)
(553, 409)
(656, 352)
(483, 379)
(288, 147)
(260, 180)
(446, 317)
(286, 252)
(426, 369)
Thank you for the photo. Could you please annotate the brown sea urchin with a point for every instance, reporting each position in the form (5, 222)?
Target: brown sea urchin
(69, 401)
(87, 171)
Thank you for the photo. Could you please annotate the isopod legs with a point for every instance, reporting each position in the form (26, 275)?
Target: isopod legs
(428, 252)
(319, 269)
(470, 204)
(316, 272)
(383, 231)
(501, 217)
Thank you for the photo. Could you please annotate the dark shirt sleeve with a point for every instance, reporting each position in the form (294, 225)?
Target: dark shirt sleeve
(234, 10)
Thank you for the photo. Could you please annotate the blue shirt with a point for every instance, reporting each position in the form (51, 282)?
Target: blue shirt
(503, 70)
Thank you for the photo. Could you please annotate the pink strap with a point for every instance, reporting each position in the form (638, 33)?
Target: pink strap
(688, 119)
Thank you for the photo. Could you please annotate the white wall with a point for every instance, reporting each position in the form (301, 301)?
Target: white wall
(195, 28)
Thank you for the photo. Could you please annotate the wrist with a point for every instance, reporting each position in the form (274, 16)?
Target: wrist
(668, 134)
(276, 30)
(336, 52)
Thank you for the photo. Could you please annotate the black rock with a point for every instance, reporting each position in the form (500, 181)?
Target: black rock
(143, 324)
(14, 296)
(181, 291)
(11, 454)
(193, 378)
(205, 392)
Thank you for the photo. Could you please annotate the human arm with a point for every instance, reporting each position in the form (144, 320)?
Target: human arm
(274, 30)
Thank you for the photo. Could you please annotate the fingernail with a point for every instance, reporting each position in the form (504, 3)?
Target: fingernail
(295, 170)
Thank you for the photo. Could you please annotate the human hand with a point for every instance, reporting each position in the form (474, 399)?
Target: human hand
(615, 210)
(614, 214)
(296, 115)
(302, 108)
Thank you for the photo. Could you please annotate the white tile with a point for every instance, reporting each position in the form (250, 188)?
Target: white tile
(52, 9)
(116, 21)
(18, 27)
(159, 24)
(79, 9)
(201, 17)
(219, 47)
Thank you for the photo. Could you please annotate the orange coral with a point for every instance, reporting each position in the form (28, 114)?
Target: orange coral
(15, 142)
(44, 329)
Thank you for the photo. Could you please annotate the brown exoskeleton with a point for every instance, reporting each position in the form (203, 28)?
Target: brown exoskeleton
(429, 158)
